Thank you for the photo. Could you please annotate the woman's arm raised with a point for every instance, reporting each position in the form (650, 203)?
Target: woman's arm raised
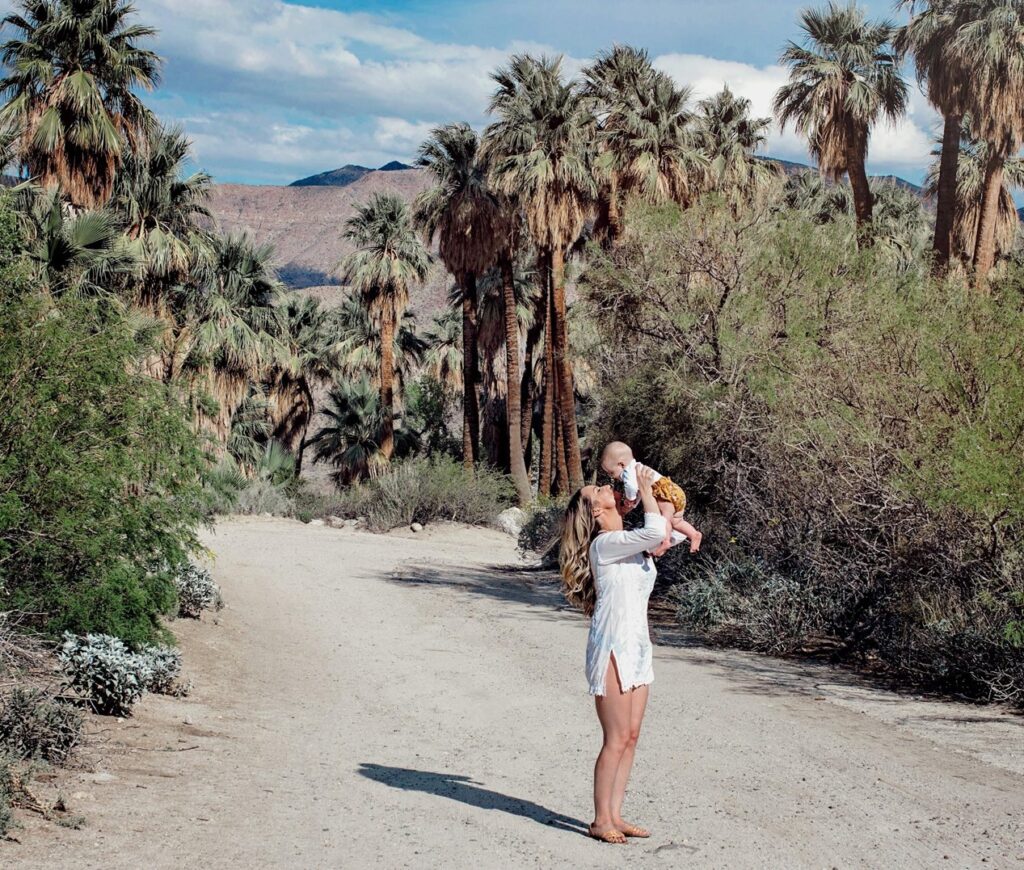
(613, 546)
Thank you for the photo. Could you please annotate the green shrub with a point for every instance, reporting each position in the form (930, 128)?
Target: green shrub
(421, 490)
(196, 591)
(847, 429)
(34, 724)
(99, 469)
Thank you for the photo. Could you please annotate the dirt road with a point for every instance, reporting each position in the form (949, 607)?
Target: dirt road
(411, 701)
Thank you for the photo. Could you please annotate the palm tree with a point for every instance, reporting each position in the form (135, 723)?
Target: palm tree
(465, 215)
(306, 339)
(232, 328)
(388, 258)
(540, 150)
(443, 357)
(502, 388)
(249, 431)
(930, 36)
(72, 76)
(842, 80)
(728, 136)
(900, 221)
(351, 439)
(645, 135)
(355, 346)
(164, 212)
(970, 181)
(84, 253)
(820, 200)
(989, 41)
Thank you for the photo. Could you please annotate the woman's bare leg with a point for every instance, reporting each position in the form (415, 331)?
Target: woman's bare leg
(613, 711)
(636, 717)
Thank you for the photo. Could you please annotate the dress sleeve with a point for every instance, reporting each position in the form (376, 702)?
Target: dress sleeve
(615, 546)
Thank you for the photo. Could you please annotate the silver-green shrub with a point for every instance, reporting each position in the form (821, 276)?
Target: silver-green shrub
(164, 668)
(105, 672)
(196, 591)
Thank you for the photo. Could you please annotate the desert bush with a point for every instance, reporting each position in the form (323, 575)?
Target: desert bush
(425, 489)
(164, 664)
(34, 724)
(99, 467)
(7, 793)
(847, 430)
(264, 497)
(196, 590)
(269, 488)
(109, 676)
(541, 531)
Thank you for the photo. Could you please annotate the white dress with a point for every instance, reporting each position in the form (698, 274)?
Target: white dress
(623, 580)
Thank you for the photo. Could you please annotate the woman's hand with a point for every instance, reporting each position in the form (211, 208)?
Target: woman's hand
(645, 480)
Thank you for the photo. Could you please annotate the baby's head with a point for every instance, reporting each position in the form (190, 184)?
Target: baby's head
(614, 459)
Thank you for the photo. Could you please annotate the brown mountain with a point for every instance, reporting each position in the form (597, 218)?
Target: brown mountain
(305, 226)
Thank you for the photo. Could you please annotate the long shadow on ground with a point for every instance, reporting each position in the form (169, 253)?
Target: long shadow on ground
(465, 790)
(747, 672)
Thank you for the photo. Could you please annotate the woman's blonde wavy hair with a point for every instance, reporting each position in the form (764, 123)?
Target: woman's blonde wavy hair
(578, 530)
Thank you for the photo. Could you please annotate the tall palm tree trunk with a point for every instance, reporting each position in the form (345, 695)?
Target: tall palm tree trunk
(387, 382)
(561, 485)
(547, 429)
(985, 247)
(470, 374)
(513, 407)
(566, 388)
(613, 214)
(528, 391)
(862, 201)
(942, 245)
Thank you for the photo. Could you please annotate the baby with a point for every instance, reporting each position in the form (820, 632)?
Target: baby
(618, 463)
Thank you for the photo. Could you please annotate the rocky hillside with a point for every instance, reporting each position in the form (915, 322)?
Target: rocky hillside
(346, 175)
(305, 225)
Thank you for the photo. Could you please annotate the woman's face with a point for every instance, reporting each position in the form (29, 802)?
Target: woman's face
(600, 498)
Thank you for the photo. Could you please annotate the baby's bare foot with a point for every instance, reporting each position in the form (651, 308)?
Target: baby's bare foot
(695, 540)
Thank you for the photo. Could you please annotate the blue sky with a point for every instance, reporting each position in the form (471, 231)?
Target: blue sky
(271, 91)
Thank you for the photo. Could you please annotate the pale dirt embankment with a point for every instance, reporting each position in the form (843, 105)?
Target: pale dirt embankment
(409, 701)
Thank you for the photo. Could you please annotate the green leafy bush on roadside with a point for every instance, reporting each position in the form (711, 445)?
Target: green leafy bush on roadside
(847, 428)
(99, 468)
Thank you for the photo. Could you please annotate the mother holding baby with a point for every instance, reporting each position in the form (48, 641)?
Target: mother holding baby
(608, 573)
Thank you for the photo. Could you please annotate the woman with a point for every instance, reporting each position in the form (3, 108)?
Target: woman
(607, 572)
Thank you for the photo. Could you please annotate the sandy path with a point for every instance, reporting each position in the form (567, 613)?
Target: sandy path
(396, 701)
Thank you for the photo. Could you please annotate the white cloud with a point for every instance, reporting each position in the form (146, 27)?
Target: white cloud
(323, 60)
(907, 144)
(274, 89)
(399, 135)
